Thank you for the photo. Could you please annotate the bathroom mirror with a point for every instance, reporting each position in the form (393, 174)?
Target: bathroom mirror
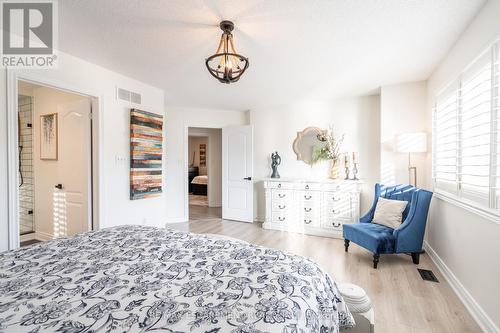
(307, 141)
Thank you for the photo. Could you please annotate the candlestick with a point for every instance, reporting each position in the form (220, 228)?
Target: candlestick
(355, 172)
(354, 157)
(346, 166)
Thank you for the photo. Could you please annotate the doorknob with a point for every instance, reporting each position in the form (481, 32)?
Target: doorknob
(247, 178)
(59, 186)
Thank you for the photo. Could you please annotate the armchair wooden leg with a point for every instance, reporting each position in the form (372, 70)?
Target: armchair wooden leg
(346, 244)
(376, 257)
(415, 257)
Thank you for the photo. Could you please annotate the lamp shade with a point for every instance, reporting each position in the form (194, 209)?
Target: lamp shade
(411, 142)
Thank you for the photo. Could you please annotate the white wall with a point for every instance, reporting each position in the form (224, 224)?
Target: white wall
(402, 110)
(467, 244)
(177, 122)
(81, 75)
(275, 129)
(214, 162)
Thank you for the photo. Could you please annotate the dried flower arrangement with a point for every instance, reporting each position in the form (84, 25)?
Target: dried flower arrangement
(331, 149)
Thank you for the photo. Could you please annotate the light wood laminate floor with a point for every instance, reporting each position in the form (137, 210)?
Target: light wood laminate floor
(403, 302)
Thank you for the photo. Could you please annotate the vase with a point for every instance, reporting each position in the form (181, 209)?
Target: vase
(334, 169)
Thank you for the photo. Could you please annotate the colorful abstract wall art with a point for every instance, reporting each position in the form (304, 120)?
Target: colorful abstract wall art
(146, 142)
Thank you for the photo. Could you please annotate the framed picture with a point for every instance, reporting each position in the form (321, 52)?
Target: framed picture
(203, 155)
(48, 136)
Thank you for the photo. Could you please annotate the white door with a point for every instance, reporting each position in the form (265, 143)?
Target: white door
(72, 204)
(237, 172)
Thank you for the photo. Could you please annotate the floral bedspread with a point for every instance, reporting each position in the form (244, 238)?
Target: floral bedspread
(140, 279)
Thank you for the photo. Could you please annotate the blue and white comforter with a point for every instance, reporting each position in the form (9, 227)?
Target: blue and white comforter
(140, 279)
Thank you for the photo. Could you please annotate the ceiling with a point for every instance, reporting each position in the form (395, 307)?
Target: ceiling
(298, 49)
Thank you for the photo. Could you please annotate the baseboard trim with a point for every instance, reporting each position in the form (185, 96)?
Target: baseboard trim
(43, 236)
(476, 311)
(259, 219)
(27, 237)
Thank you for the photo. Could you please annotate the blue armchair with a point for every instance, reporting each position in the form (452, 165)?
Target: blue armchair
(407, 238)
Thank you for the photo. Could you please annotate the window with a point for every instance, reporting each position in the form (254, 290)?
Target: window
(466, 144)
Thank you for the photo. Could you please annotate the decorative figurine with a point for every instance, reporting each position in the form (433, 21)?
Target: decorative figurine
(275, 161)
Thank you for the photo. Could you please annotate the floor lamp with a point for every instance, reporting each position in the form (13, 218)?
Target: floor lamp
(411, 143)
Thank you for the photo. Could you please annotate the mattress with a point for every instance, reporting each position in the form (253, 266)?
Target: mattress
(138, 279)
(200, 180)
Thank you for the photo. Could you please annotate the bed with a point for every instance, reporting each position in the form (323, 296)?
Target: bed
(199, 185)
(139, 279)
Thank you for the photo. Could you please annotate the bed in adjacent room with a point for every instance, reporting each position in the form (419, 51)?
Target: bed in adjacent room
(138, 278)
(199, 185)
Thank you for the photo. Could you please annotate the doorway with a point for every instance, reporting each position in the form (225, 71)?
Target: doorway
(204, 173)
(230, 181)
(55, 178)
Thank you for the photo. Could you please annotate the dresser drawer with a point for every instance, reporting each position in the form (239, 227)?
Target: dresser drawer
(308, 196)
(335, 214)
(342, 209)
(280, 217)
(310, 220)
(281, 205)
(282, 194)
(333, 224)
(335, 196)
(345, 186)
(280, 185)
(310, 208)
(308, 186)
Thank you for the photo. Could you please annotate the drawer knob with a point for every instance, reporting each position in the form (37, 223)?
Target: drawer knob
(307, 187)
(307, 209)
(307, 221)
(279, 185)
(282, 207)
(307, 197)
(281, 218)
(281, 195)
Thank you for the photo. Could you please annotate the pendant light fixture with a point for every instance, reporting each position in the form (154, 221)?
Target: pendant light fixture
(226, 65)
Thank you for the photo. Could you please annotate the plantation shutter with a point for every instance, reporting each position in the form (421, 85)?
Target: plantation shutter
(475, 131)
(445, 141)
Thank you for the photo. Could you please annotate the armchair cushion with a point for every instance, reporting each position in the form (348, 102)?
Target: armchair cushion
(389, 212)
(374, 237)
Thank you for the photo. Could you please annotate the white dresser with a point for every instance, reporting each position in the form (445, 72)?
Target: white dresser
(311, 207)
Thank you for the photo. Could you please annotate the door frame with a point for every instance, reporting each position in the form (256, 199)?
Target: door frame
(97, 167)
